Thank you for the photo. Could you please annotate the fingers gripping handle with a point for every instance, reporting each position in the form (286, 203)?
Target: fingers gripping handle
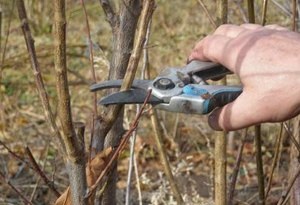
(213, 95)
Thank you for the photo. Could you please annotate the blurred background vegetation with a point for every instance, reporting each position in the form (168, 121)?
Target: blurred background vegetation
(177, 25)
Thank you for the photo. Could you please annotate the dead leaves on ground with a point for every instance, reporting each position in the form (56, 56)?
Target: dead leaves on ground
(93, 171)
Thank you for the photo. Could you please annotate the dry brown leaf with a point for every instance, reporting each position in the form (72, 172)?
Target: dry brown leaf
(65, 198)
(93, 170)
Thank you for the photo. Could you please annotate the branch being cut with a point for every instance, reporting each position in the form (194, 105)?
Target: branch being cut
(120, 148)
(123, 52)
(148, 9)
(109, 116)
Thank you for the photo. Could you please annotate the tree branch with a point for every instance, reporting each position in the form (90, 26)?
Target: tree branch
(37, 73)
(236, 168)
(158, 133)
(75, 160)
(210, 18)
(120, 148)
(259, 165)
(37, 168)
(91, 53)
(109, 12)
(108, 117)
(148, 9)
(220, 137)
(123, 40)
(25, 200)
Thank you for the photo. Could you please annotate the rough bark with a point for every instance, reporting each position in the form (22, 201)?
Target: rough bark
(123, 25)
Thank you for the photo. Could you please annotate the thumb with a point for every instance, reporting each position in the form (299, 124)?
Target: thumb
(241, 113)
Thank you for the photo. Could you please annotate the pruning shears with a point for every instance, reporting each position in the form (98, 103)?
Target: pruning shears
(176, 89)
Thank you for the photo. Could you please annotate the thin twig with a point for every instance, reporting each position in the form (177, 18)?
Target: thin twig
(257, 137)
(236, 168)
(120, 148)
(12, 153)
(291, 136)
(241, 10)
(39, 179)
(294, 16)
(264, 13)
(25, 200)
(220, 138)
(210, 18)
(138, 183)
(91, 53)
(1, 34)
(132, 159)
(91, 58)
(163, 156)
(90, 149)
(148, 9)
(175, 128)
(259, 165)
(289, 187)
(130, 166)
(211, 158)
(109, 12)
(37, 72)
(251, 12)
(222, 11)
(34, 166)
(294, 163)
(37, 168)
(275, 160)
(282, 8)
(7, 35)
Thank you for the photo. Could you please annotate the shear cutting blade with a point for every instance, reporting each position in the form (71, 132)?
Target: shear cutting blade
(142, 84)
(134, 96)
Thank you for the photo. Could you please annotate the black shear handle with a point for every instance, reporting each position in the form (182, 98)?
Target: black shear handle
(206, 70)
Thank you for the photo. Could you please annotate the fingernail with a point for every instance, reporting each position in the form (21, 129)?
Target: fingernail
(213, 122)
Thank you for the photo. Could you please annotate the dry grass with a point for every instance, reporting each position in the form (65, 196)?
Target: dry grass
(176, 27)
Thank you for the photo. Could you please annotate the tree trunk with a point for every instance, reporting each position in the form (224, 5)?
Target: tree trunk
(123, 27)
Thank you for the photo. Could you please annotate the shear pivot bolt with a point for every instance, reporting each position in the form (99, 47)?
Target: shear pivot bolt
(164, 84)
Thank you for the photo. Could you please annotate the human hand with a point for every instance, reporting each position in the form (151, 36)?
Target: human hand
(267, 60)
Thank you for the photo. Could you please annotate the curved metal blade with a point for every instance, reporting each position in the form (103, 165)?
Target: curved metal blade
(142, 84)
(135, 96)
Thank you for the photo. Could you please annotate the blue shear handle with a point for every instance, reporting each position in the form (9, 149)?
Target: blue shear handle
(213, 95)
(220, 98)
